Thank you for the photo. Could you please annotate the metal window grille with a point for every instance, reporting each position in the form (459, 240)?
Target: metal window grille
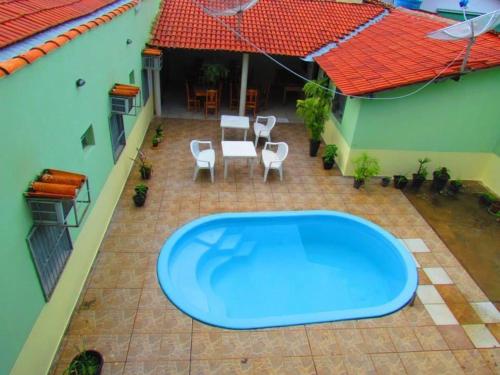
(50, 247)
(118, 139)
(145, 85)
(152, 62)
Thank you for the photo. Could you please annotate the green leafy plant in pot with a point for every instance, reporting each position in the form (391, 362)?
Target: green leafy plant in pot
(315, 110)
(87, 362)
(155, 141)
(145, 167)
(214, 73)
(486, 199)
(141, 193)
(329, 155)
(421, 175)
(440, 178)
(364, 168)
(400, 181)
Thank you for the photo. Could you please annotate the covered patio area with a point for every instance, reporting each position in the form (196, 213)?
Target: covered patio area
(124, 314)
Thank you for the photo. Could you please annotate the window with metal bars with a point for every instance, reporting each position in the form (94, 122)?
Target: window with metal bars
(117, 131)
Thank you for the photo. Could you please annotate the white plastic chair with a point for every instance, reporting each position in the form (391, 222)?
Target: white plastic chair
(274, 160)
(262, 127)
(204, 159)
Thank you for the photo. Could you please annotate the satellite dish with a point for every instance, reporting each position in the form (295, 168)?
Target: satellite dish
(218, 8)
(469, 29)
(225, 7)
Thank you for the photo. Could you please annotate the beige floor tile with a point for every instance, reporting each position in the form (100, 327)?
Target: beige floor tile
(404, 339)
(157, 368)
(328, 365)
(430, 338)
(388, 364)
(480, 336)
(455, 337)
(440, 314)
(437, 275)
(159, 347)
(378, 340)
(472, 362)
(487, 312)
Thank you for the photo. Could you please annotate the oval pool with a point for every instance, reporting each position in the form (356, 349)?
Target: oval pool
(267, 269)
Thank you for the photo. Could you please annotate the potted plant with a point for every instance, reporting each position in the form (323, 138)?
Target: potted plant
(141, 192)
(329, 155)
(364, 168)
(455, 186)
(440, 178)
(400, 181)
(145, 167)
(385, 181)
(487, 199)
(421, 175)
(156, 141)
(213, 73)
(314, 110)
(159, 131)
(494, 208)
(88, 362)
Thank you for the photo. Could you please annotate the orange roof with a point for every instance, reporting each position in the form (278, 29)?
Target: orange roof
(20, 19)
(282, 27)
(9, 66)
(120, 89)
(397, 52)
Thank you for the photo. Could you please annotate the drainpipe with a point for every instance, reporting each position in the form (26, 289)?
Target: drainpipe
(157, 95)
(244, 78)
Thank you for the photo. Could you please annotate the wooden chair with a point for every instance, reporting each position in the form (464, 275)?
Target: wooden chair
(191, 100)
(252, 101)
(234, 97)
(212, 102)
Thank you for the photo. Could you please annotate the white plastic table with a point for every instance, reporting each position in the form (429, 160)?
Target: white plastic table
(238, 150)
(234, 122)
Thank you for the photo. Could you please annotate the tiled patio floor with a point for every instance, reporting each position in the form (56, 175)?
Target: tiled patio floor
(452, 328)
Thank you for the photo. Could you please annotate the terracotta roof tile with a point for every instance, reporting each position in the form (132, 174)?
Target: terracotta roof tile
(11, 65)
(397, 52)
(20, 19)
(284, 27)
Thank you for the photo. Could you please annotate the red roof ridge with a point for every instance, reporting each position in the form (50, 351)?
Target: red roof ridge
(13, 64)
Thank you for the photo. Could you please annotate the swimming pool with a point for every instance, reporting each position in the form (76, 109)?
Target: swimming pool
(266, 269)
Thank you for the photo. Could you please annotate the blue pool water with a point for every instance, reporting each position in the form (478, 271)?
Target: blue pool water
(255, 270)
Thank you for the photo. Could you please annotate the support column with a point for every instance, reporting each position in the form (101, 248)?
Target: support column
(157, 93)
(310, 70)
(244, 79)
(150, 83)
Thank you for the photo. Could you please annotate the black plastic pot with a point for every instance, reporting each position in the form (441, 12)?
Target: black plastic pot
(358, 183)
(439, 181)
(385, 181)
(139, 200)
(400, 182)
(417, 181)
(494, 208)
(485, 200)
(328, 164)
(313, 147)
(454, 188)
(145, 173)
(77, 364)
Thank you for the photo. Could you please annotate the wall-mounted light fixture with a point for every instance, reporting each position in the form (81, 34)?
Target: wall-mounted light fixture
(129, 41)
(80, 82)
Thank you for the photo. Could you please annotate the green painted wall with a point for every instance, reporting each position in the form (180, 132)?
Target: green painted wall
(43, 116)
(449, 116)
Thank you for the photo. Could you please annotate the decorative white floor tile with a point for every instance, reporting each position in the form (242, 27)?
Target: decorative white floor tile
(437, 275)
(480, 336)
(416, 245)
(429, 294)
(440, 314)
(487, 312)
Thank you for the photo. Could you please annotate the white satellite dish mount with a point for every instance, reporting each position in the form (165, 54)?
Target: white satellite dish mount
(469, 29)
(220, 8)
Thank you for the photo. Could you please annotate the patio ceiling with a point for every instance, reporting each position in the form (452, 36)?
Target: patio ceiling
(285, 27)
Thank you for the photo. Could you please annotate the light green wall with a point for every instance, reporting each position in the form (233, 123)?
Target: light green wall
(449, 116)
(43, 116)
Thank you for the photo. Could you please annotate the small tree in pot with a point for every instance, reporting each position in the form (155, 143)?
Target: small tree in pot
(421, 175)
(400, 181)
(145, 167)
(364, 168)
(329, 156)
(314, 110)
(440, 178)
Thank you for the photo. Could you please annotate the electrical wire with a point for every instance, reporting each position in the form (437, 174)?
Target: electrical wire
(335, 92)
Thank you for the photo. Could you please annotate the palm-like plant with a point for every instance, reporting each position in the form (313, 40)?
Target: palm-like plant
(316, 107)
